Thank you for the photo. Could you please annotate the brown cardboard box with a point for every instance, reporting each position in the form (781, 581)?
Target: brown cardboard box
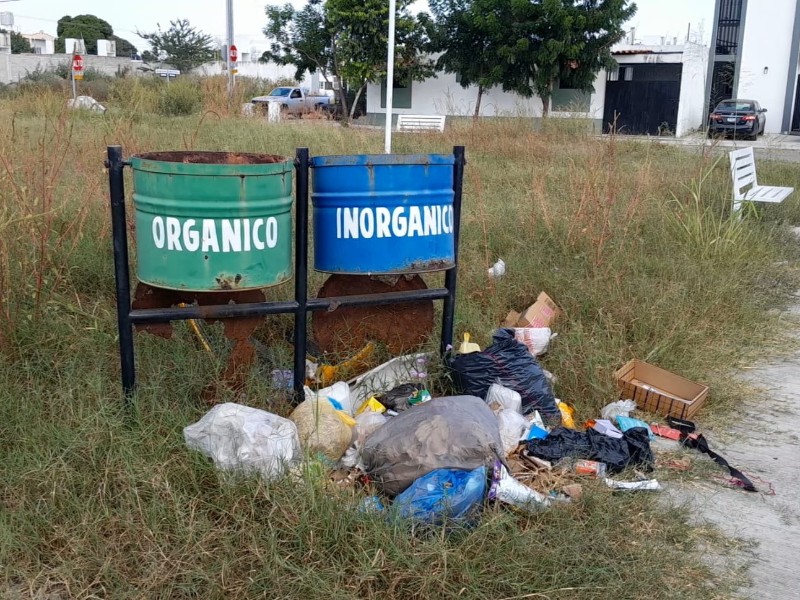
(541, 313)
(658, 391)
(512, 319)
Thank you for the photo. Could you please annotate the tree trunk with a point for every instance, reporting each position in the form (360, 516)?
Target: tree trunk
(546, 100)
(478, 103)
(355, 100)
(342, 93)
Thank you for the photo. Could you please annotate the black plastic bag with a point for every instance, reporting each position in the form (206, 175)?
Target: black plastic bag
(397, 398)
(509, 363)
(632, 449)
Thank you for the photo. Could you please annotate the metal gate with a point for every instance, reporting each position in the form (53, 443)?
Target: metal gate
(643, 99)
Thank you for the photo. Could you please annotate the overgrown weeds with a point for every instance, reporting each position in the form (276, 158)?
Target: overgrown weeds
(97, 502)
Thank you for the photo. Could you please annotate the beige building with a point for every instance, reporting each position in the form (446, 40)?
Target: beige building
(41, 42)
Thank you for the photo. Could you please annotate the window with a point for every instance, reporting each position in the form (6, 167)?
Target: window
(566, 98)
(401, 93)
(296, 94)
(730, 18)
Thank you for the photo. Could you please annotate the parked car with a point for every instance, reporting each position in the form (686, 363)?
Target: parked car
(294, 100)
(740, 118)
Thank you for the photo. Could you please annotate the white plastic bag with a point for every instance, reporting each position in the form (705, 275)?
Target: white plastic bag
(537, 339)
(339, 391)
(500, 398)
(240, 438)
(512, 426)
(368, 423)
(508, 490)
(620, 408)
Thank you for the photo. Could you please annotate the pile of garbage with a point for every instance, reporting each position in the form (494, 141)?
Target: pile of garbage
(507, 439)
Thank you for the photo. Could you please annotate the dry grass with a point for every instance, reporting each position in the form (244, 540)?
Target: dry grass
(98, 503)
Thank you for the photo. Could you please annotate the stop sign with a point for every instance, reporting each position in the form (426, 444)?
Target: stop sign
(77, 63)
(234, 54)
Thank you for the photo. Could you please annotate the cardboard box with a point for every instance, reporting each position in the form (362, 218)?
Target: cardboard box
(541, 313)
(512, 319)
(658, 391)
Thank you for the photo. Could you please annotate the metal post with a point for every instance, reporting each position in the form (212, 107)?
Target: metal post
(387, 146)
(300, 271)
(231, 77)
(450, 277)
(116, 184)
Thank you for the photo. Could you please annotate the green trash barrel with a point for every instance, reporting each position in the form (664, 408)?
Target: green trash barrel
(212, 221)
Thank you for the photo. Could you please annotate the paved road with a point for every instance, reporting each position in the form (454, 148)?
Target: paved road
(765, 443)
(784, 148)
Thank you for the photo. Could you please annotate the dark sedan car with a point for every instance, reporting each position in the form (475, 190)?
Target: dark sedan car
(740, 118)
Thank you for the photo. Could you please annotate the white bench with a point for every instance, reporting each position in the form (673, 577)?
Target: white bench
(420, 122)
(743, 173)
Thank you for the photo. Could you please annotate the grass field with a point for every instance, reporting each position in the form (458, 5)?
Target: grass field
(632, 240)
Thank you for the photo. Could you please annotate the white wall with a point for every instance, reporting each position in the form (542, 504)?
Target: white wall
(14, 67)
(258, 70)
(442, 95)
(692, 103)
(767, 43)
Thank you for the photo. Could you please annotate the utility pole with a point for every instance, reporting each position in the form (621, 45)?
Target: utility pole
(231, 76)
(390, 79)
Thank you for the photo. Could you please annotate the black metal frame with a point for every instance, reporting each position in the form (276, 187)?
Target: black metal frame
(300, 306)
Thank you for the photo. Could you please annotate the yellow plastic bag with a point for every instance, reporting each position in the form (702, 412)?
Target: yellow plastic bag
(371, 405)
(567, 415)
(468, 347)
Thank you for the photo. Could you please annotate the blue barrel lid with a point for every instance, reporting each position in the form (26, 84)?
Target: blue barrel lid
(369, 160)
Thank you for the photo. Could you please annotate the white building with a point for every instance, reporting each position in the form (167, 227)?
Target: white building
(754, 55)
(41, 42)
(657, 90)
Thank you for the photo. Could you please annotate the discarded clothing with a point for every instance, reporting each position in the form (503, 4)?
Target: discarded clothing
(617, 454)
(699, 443)
(509, 363)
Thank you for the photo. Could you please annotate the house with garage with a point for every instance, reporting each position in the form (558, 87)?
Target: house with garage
(755, 54)
(656, 90)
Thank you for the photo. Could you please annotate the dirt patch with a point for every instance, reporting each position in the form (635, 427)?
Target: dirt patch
(214, 158)
(345, 330)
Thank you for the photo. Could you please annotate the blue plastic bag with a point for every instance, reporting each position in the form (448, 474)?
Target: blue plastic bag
(441, 495)
(625, 423)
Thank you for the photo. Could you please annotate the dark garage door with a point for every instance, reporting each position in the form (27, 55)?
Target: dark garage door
(643, 100)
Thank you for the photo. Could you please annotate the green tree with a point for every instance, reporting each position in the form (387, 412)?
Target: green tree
(468, 34)
(89, 28)
(360, 35)
(124, 47)
(563, 40)
(300, 38)
(181, 46)
(19, 45)
(346, 39)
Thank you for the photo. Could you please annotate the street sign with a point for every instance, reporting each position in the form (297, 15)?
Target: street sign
(77, 67)
(234, 58)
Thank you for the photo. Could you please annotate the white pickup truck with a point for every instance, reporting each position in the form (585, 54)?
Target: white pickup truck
(295, 100)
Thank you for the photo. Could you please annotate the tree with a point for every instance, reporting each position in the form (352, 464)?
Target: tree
(181, 46)
(124, 47)
(346, 39)
(300, 38)
(86, 27)
(19, 45)
(564, 40)
(360, 29)
(468, 34)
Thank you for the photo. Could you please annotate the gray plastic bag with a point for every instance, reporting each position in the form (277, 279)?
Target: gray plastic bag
(455, 432)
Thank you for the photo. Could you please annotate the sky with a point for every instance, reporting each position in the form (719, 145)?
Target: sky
(668, 18)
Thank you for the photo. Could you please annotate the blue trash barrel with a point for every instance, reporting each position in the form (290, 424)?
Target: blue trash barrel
(383, 213)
